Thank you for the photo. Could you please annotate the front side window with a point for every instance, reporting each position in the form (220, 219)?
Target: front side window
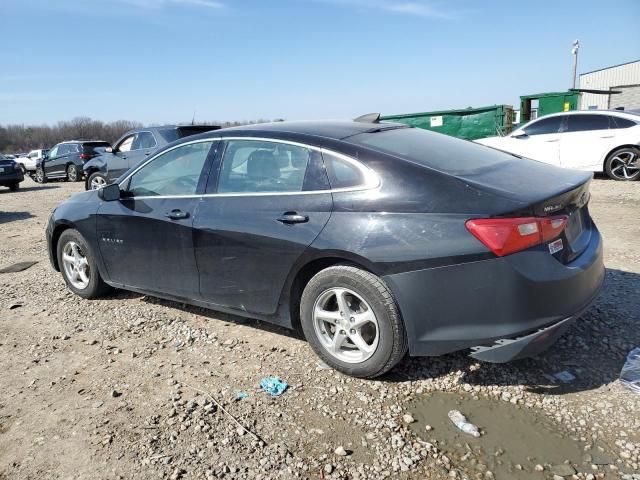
(174, 173)
(544, 126)
(125, 145)
(252, 166)
(143, 140)
(54, 151)
(586, 122)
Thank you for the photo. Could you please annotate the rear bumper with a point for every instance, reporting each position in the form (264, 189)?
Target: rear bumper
(503, 308)
(12, 178)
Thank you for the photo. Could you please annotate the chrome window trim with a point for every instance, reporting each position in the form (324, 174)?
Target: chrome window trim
(371, 179)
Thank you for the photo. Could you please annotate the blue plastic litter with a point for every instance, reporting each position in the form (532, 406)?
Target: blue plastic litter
(273, 386)
(241, 395)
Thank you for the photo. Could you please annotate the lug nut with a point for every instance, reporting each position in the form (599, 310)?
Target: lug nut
(353, 331)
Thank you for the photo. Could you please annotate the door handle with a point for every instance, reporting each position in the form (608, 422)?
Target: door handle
(177, 214)
(552, 141)
(607, 136)
(289, 218)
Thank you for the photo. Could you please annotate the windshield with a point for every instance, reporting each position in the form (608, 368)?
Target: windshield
(440, 152)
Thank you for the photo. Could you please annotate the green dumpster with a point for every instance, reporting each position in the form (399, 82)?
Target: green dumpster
(546, 103)
(468, 123)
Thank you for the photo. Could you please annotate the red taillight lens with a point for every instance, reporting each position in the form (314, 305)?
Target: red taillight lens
(509, 235)
(85, 156)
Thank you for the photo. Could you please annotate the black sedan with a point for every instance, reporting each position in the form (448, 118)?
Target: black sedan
(376, 239)
(10, 173)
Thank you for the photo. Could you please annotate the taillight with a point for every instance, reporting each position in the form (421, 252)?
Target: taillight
(85, 156)
(509, 235)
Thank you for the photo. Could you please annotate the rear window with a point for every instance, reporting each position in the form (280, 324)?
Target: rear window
(95, 146)
(440, 152)
(173, 134)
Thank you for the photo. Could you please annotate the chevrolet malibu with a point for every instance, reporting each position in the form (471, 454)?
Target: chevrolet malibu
(375, 239)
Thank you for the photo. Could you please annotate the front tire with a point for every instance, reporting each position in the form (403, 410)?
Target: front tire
(351, 321)
(96, 181)
(623, 164)
(14, 187)
(78, 266)
(73, 175)
(40, 176)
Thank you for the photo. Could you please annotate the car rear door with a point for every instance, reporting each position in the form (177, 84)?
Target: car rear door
(145, 238)
(270, 202)
(586, 140)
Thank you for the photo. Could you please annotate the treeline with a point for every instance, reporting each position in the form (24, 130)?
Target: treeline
(22, 138)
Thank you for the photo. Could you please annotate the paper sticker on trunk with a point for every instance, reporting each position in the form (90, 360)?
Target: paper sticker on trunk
(555, 246)
(436, 121)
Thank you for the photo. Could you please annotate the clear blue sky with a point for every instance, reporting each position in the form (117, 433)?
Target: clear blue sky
(157, 61)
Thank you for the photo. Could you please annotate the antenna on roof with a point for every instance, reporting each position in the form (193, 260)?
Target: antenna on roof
(368, 118)
(193, 119)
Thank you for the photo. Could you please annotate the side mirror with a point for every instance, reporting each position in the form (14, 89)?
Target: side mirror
(519, 133)
(110, 193)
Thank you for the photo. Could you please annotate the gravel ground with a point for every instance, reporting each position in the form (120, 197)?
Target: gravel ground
(131, 386)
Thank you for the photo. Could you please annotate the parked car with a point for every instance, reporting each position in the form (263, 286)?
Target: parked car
(133, 147)
(66, 159)
(10, 173)
(595, 141)
(29, 163)
(376, 238)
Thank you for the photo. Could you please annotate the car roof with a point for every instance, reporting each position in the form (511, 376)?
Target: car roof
(616, 113)
(335, 130)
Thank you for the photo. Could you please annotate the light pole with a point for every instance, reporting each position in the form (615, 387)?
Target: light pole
(574, 52)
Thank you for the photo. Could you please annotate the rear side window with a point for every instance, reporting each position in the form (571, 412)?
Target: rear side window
(440, 152)
(618, 122)
(342, 174)
(584, 123)
(544, 126)
(252, 166)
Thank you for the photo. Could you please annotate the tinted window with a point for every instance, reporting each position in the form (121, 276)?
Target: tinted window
(251, 166)
(618, 122)
(176, 172)
(544, 126)
(54, 151)
(342, 174)
(125, 145)
(174, 133)
(583, 123)
(434, 150)
(63, 149)
(143, 140)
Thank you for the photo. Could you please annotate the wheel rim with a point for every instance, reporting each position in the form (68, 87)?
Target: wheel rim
(625, 165)
(76, 265)
(98, 182)
(73, 175)
(39, 176)
(346, 325)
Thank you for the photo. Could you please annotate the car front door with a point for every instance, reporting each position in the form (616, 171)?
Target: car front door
(142, 146)
(118, 162)
(145, 238)
(586, 140)
(55, 166)
(539, 140)
(270, 202)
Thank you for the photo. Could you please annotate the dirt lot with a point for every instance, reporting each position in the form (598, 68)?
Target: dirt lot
(115, 388)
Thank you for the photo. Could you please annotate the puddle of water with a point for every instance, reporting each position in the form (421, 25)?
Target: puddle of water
(512, 436)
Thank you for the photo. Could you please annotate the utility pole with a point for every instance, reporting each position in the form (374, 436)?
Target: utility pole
(574, 52)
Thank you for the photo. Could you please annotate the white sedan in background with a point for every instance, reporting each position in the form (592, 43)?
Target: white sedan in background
(593, 140)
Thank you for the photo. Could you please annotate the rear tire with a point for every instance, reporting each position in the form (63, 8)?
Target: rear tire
(73, 175)
(623, 164)
(351, 321)
(78, 266)
(14, 187)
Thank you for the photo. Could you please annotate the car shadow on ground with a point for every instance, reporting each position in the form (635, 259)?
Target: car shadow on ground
(213, 315)
(593, 350)
(5, 191)
(8, 217)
